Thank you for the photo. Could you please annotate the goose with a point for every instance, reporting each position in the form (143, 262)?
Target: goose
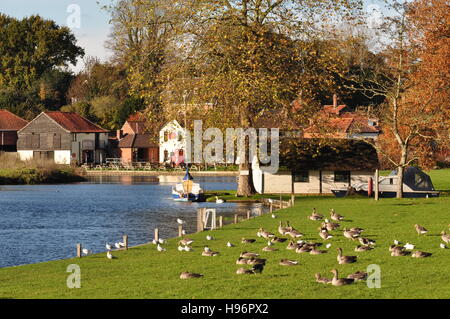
(86, 251)
(282, 230)
(322, 280)
(397, 251)
(292, 245)
(187, 275)
(335, 216)
(328, 246)
(409, 246)
(241, 261)
(303, 249)
(315, 251)
(243, 271)
(255, 261)
(209, 237)
(336, 281)
(357, 229)
(210, 253)
(359, 275)
(442, 246)
(185, 241)
(366, 241)
(269, 248)
(110, 256)
(315, 215)
(265, 234)
(278, 240)
(300, 242)
(420, 254)
(246, 254)
(287, 262)
(330, 226)
(350, 234)
(362, 248)
(230, 244)
(295, 233)
(160, 248)
(420, 229)
(247, 240)
(289, 227)
(345, 259)
(219, 200)
(108, 246)
(324, 234)
(258, 268)
(180, 221)
(445, 237)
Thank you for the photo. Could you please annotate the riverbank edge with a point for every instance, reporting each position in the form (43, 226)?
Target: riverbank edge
(37, 176)
(159, 173)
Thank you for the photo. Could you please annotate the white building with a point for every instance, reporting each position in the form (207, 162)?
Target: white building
(172, 143)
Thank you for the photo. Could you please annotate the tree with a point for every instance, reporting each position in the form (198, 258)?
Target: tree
(246, 57)
(409, 114)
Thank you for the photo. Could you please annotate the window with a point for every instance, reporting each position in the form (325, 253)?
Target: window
(74, 137)
(180, 136)
(166, 155)
(301, 177)
(342, 177)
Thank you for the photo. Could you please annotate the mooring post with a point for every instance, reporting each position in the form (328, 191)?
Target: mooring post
(156, 236)
(248, 214)
(79, 250)
(200, 222)
(220, 221)
(292, 199)
(125, 241)
(377, 178)
(180, 230)
(271, 208)
(235, 218)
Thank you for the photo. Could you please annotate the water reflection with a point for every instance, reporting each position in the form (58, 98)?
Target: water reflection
(44, 222)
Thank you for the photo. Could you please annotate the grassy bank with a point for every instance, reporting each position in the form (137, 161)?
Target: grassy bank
(13, 171)
(143, 272)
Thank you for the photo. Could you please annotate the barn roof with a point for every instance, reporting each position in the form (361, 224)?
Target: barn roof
(10, 121)
(333, 155)
(74, 122)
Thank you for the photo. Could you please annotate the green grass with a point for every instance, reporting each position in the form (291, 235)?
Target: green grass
(143, 272)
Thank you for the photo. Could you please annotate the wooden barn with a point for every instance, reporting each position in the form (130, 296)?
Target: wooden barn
(65, 137)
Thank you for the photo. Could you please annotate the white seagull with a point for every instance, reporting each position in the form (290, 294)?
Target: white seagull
(160, 248)
(396, 242)
(108, 246)
(207, 248)
(180, 248)
(117, 245)
(208, 237)
(187, 248)
(442, 246)
(161, 241)
(273, 215)
(230, 244)
(180, 221)
(328, 246)
(110, 256)
(219, 200)
(86, 251)
(409, 246)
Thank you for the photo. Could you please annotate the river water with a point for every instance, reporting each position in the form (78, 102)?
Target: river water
(45, 222)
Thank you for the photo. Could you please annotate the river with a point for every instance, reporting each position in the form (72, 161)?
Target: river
(45, 222)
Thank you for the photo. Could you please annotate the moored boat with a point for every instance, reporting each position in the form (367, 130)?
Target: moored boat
(188, 191)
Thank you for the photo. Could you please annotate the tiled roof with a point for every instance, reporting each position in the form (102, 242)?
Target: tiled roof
(333, 110)
(10, 121)
(136, 141)
(74, 123)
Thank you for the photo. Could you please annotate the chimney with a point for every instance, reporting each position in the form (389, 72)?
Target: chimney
(335, 101)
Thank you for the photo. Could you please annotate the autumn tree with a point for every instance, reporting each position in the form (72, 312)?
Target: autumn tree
(246, 57)
(409, 114)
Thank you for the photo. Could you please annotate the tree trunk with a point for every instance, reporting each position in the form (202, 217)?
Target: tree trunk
(400, 170)
(245, 182)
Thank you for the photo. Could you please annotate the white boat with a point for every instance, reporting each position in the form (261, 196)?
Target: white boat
(188, 191)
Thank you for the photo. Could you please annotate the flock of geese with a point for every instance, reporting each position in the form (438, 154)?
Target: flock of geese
(293, 236)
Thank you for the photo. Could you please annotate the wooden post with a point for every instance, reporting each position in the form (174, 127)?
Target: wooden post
(235, 218)
(271, 208)
(79, 250)
(125, 241)
(377, 178)
(292, 199)
(156, 236)
(180, 230)
(220, 221)
(200, 226)
(248, 214)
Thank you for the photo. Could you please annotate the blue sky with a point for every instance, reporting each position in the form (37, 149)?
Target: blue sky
(94, 29)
